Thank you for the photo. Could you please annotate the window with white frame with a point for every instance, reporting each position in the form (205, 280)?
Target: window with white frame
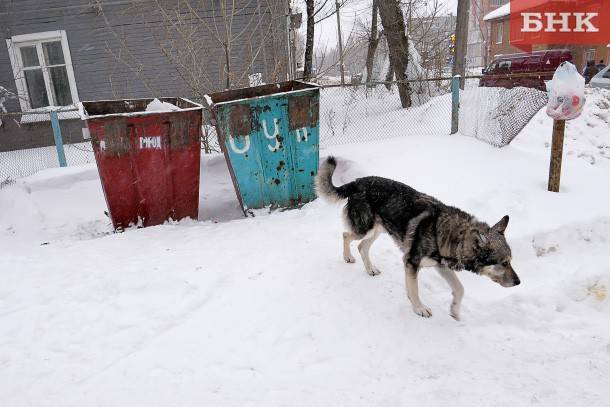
(42, 68)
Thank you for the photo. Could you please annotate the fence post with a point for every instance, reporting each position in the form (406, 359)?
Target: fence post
(559, 127)
(455, 103)
(59, 143)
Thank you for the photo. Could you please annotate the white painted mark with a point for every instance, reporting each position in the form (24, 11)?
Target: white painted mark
(150, 142)
(238, 150)
(305, 135)
(276, 132)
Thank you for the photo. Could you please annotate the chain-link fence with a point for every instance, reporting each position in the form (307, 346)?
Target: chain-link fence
(374, 112)
(496, 115)
(27, 143)
(348, 114)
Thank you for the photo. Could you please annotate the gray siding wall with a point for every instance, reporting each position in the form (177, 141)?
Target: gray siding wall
(145, 48)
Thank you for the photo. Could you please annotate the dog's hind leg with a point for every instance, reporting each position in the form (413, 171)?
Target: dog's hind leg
(413, 291)
(348, 237)
(457, 289)
(365, 246)
(359, 221)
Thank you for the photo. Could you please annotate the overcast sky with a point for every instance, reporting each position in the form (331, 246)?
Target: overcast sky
(326, 31)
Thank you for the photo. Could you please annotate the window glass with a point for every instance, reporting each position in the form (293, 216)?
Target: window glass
(29, 56)
(607, 73)
(60, 85)
(500, 33)
(36, 88)
(53, 53)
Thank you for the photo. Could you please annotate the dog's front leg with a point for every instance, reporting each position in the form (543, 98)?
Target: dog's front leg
(413, 292)
(457, 289)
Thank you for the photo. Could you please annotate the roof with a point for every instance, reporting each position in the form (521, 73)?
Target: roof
(500, 12)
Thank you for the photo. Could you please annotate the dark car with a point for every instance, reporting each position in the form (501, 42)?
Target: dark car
(545, 61)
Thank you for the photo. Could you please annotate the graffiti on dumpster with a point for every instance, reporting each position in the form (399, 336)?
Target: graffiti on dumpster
(238, 150)
(150, 142)
(301, 135)
(276, 133)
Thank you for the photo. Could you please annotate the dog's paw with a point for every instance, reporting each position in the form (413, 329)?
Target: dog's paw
(374, 271)
(454, 311)
(422, 311)
(349, 258)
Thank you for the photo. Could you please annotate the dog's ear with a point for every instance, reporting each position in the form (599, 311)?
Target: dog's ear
(500, 227)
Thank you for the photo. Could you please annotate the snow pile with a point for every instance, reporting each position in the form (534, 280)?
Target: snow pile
(237, 311)
(158, 106)
(586, 138)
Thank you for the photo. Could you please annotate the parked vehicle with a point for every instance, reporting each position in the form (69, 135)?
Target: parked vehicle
(602, 79)
(545, 61)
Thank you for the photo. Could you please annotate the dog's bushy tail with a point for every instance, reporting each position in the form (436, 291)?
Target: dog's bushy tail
(324, 181)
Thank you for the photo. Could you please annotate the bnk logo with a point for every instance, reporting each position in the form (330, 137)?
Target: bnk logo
(539, 22)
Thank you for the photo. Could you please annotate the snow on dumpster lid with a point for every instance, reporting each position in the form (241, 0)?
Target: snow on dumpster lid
(158, 106)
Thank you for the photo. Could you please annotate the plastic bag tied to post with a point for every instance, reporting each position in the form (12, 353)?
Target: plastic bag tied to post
(567, 93)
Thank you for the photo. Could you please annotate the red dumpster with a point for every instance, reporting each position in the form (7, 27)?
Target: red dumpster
(148, 161)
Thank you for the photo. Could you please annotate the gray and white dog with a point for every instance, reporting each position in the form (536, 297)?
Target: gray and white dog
(428, 232)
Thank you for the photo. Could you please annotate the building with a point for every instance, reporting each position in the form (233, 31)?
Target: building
(478, 31)
(58, 53)
(499, 41)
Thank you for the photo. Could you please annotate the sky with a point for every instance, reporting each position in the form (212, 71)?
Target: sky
(326, 31)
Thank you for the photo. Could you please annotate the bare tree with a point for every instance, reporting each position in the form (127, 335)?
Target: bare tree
(240, 35)
(317, 11)
(309, 38)
(398, 45)
(373, 42)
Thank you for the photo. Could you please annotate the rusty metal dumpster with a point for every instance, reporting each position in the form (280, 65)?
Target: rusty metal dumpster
(148, 161)
(269, 135)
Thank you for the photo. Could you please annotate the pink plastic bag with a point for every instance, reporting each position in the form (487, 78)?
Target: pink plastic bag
(567, 93)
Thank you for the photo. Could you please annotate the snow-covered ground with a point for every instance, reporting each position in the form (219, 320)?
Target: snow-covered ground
(232, 311)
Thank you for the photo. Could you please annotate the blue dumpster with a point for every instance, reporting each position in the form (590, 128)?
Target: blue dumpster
(269, 135)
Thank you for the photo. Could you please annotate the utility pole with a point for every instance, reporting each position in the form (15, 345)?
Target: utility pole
(461, 40)
(340, 44)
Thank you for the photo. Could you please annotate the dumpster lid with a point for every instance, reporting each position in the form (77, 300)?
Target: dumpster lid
(131, 107)
(259, 92)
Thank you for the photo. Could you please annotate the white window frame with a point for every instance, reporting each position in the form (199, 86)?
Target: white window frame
(13, 44)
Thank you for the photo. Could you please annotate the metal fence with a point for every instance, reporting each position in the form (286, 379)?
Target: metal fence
(348, 114)
(497, 115)
(22, 156)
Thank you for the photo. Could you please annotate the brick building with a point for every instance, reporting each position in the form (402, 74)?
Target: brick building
(478, 31)
(499, 41)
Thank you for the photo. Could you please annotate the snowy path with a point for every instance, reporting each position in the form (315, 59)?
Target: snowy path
(263, 311)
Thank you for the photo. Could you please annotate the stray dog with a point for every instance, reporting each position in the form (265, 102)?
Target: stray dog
(428, 232)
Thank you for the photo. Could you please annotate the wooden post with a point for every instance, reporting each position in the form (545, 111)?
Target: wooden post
(461, 40)
(59, 143)
(455, 103)
(556, 155)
